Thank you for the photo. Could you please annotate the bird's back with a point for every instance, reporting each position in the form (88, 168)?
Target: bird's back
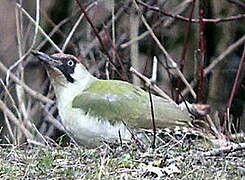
(118, 101)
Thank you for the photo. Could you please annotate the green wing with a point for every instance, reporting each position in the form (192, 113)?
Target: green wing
(119, 101)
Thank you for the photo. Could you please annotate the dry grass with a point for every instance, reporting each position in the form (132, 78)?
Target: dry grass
(172, 160)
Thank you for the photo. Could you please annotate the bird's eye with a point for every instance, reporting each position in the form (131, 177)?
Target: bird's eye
(70, 63)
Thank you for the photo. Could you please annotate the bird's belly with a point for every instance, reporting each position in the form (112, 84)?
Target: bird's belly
(89, 130)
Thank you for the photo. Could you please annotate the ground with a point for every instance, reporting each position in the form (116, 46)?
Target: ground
(176, 159)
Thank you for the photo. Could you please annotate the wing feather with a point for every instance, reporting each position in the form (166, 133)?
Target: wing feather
(119, 101)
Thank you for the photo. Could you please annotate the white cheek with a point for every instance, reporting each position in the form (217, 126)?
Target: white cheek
(77, 74)
(81, 74)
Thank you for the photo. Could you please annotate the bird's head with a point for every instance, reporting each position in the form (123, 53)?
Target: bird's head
(63, 69)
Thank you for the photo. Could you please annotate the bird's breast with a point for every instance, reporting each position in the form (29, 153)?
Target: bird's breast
(90, 129)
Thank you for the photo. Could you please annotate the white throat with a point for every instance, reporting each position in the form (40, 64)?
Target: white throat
(65, 91)
(89, 130)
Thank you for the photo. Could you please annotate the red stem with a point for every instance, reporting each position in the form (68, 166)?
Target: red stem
(98, 37)
(217, 20)
(202, 47)
(235, 84)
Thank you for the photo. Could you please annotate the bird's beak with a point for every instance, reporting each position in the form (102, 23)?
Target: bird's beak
(45, 58)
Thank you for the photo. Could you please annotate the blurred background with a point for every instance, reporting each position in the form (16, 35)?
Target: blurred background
(204, 37)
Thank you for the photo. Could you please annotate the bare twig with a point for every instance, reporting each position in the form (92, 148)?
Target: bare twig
(237, 2)
(200, 61)
(12, 117)
(15, 64)
(227, 149)
(13, 104)
(37, 23)
(153, 119)
(216, 61)
(95, 40)
(10, 129)
(186, 36)
(224, 54)
(43, 138)
(113, 31)
(213, 127)
(152, 85)
(234, 90)
(39, 28)
(56, 29)
(30, 91)
(181, 7)
(52, 120)
(235, 84)
(11, 133)
(216, 20)
(237, 136)
(30, 141)
(173, 64)
(186, 104)
(47, 38)
(98, 37)
(185, 46)
(134, 23)
(76, 25)
(20, 93)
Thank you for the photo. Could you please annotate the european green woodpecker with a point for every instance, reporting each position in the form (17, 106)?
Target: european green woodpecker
(94, 110)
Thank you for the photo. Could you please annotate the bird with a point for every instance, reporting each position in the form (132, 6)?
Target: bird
(93, 110)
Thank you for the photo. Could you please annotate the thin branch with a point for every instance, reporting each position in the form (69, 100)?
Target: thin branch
(76, 25)
(15, 64)
(216, 20)
(49, 117)
(20, 93)
(227, 149)
(39, 28)
(98, 37)
(41, 136)
(13, 104)
(12, 117)
(10, 130)
(216, 61)
(213, 127)
(153, 119)
(224, 54)
(181, 7)
(22, 57)
(201, 59)
(237, 2)
(152, 85)
(186, 36)
(173, 64)
(185, 46)
(30, 91)
(37, 22)
(237, 136)
(30, 141)
(113, 31)
(95, 42)
(134, 25)
(235, 84)
(56, 29)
